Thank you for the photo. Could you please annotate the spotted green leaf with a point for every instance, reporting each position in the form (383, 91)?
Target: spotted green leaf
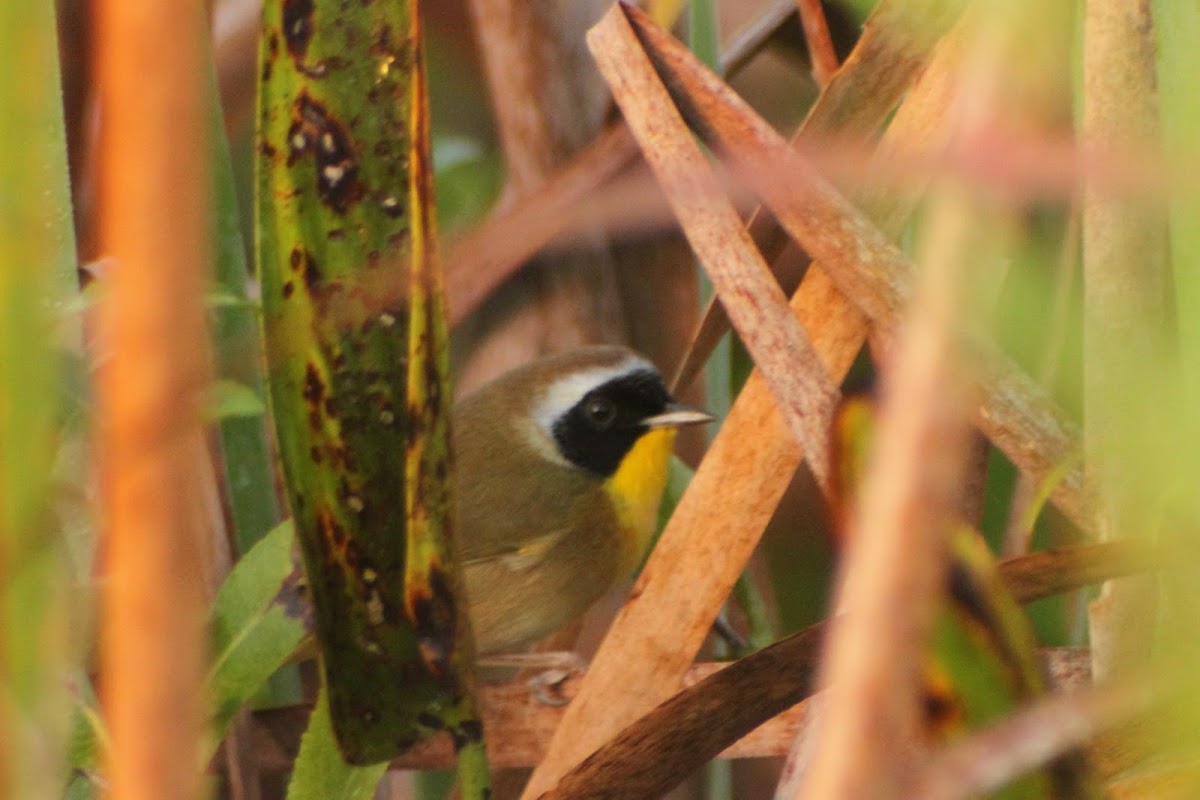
(354, 324)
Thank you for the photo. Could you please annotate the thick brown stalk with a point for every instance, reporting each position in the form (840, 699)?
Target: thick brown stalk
(892, 570)
(154, 184)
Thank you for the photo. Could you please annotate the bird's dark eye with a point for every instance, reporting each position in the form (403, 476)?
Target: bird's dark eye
(600, 411)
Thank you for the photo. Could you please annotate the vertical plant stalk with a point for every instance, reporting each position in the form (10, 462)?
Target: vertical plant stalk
(893, 568)
(493, 252)
(1124, 304)
(37, 267)
(1177, 27)
(155, 225)
(876, 662)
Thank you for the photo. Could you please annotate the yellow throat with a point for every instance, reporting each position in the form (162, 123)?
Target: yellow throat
(636, 490)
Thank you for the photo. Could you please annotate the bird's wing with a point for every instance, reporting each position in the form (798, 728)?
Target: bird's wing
(520, 556)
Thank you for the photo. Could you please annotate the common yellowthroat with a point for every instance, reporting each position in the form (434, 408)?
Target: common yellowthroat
(561, 468)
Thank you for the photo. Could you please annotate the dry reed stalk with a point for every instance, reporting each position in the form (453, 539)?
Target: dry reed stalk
(155, 226)
(816, 36)
(892, 574)
(893, 567)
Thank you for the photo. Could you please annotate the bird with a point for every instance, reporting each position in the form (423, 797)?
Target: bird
(561, 466)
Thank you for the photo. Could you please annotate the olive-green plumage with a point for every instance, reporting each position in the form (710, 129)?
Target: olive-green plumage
(541, 536)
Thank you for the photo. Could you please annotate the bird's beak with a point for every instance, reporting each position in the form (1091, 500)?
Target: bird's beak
(677, 415)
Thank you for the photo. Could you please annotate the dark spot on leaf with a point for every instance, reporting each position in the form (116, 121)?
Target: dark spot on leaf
(312, 275)
(399, 240)
(414, 416)
(336, 234)
(431, 721)
(267, 150)
(942, 708)
(288, 289)
(293, 596)
(382, 46)
(435, 621)
(298, 143)
(298, 27)
(353, 555)
(317, 130)
(317, 70)
(313, 392)
(391, 206)
(272, 54)
(315, 454)
(467, 732)
(314, 387)
(296, 258)
(373, 259)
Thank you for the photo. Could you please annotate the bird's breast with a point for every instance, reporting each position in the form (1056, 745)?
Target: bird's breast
(636, 491)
